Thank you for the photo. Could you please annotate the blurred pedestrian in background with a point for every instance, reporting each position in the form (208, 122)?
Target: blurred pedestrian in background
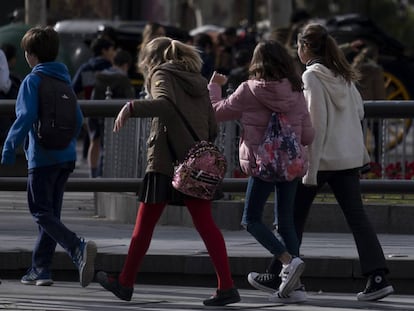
(83, 83)
(240, 72)
(204, 44)
(112, 83)
(225, 49)
(114, 80)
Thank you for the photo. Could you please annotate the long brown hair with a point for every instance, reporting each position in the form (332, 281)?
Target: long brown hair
(271, 61)
(322, 45)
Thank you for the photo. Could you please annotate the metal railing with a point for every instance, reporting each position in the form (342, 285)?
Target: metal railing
(231, 185)
(110, 108)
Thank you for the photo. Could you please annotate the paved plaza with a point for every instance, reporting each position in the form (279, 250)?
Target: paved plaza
(69, 296)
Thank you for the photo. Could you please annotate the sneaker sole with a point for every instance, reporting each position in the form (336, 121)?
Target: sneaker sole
(44, 282)
(87, 272)
(382, 293)
(47, 282)
(290, 286)
(260, 286)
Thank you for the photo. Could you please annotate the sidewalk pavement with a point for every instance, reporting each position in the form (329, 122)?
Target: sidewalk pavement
(69, 296)
(177, 255)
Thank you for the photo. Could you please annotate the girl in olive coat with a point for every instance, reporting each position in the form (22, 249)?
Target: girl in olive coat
(172, 72)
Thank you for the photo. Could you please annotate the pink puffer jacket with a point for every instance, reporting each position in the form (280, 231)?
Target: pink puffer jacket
(253, 103)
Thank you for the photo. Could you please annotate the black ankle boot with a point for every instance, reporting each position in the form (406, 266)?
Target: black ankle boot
(223, 297)
(111, 284)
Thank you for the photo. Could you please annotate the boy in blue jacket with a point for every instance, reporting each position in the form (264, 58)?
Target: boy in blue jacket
(48, 169)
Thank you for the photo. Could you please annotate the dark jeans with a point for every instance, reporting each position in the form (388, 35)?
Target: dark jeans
(257, 194)
(345, 185)
(45, 189)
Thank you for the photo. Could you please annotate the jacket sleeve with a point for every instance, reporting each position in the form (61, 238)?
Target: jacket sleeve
(230, 108)
(314, 95)
(26, 115)
(162, 95)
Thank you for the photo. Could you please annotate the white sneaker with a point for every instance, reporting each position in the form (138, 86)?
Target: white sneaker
(290, 275)
(297, 296)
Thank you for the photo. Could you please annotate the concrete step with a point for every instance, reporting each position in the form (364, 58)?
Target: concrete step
(323, 217)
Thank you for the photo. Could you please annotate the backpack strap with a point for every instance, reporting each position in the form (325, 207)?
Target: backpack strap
(186, 123)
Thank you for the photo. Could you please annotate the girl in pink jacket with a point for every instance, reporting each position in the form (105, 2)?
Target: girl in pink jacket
(273, 86)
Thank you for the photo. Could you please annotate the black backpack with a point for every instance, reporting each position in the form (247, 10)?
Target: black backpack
(56, 126)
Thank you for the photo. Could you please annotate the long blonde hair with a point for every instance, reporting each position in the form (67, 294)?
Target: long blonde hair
(162, 50)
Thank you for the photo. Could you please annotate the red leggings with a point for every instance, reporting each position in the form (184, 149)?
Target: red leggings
(147, 217)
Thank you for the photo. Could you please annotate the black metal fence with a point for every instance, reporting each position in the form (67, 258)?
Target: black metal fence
(110, 108)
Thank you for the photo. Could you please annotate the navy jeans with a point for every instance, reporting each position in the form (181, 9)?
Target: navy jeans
(257, 194)
(45, 189)
(345, 185)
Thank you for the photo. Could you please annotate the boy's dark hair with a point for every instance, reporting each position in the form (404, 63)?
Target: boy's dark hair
(43, 42)
(122, 57)
(99, 44)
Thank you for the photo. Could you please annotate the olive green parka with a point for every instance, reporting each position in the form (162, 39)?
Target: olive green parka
(169, 140)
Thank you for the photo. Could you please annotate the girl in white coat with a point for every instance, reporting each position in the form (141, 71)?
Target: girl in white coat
(338, 151)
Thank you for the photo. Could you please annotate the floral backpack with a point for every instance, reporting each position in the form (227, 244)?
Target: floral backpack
(279, 156)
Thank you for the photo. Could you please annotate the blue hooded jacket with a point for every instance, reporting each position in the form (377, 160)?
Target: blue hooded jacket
(27, 114)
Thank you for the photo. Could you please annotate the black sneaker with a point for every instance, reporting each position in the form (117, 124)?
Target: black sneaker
(111, 284)
(267, 282)
(377, 288)
(223, 297)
